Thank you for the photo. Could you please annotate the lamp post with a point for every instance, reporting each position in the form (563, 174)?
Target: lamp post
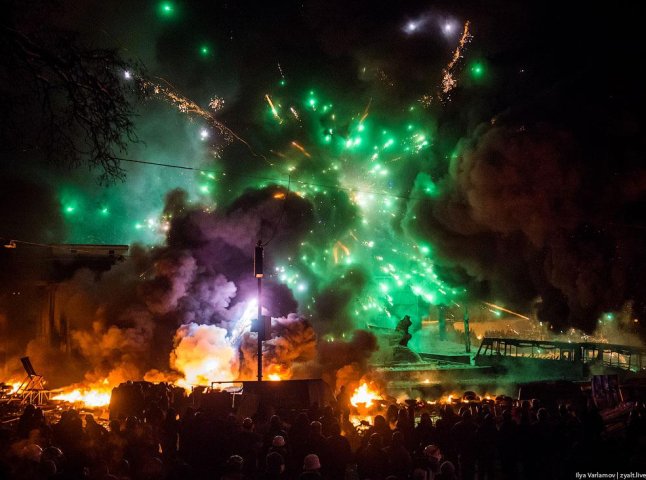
(258, 272)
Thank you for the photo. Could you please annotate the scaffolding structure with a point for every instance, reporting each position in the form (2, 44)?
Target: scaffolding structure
(32, 389)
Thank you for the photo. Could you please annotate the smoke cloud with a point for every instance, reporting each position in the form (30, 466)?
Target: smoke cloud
(181, 312)
(516, 214)
(203, 354)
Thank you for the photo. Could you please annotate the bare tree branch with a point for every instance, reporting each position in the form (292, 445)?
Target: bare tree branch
(68, 102)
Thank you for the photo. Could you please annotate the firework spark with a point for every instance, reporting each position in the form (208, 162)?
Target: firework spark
(299, 147)
(273, 108)
(189, 107)
(503, 309)
(216, 103)
(449, 80)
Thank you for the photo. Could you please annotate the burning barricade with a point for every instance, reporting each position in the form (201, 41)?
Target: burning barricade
(369, 400)
(366, 402)
(365, 397)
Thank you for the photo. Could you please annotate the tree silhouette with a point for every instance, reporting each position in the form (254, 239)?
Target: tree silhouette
(68, 103)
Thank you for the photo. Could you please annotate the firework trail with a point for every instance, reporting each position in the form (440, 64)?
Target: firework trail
(300, 148)
(449, 80)
(189, 107)
(273, 108)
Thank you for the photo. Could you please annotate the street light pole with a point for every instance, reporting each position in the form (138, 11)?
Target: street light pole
(258, 272)
(259, 331)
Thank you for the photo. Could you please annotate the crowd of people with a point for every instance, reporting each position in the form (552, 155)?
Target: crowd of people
(523, 440)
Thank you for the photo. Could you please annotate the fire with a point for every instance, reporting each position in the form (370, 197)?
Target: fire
(9, 387)
(94, 398)
(364, 395)
(362, 421)
(91, 395)
(276, 373)
(451, 399)
(202, 354)
(457, 398)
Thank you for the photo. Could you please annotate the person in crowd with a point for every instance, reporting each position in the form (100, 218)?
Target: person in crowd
(399, 460)
(447, 472)
(337, 454)
(298, 434)
(233, 468)
(465, 441)
(530, 440)
(424, 433)
(431, 460)
(486, 436)
(507, 445)
(279, 446)
(444, 429)
(274, 467)
(311, 468)
(315, 442)
(372, 463)
(379, 426)
(343, 405)
(248, 444)
(275, 429)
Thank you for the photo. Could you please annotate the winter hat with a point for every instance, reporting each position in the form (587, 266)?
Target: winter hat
(311, 462)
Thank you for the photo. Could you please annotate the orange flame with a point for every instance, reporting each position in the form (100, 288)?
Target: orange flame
(15, 385)
(91, 396)
(276, 373)
(364, 395)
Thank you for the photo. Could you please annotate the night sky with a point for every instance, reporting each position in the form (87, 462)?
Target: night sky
(523, 185)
